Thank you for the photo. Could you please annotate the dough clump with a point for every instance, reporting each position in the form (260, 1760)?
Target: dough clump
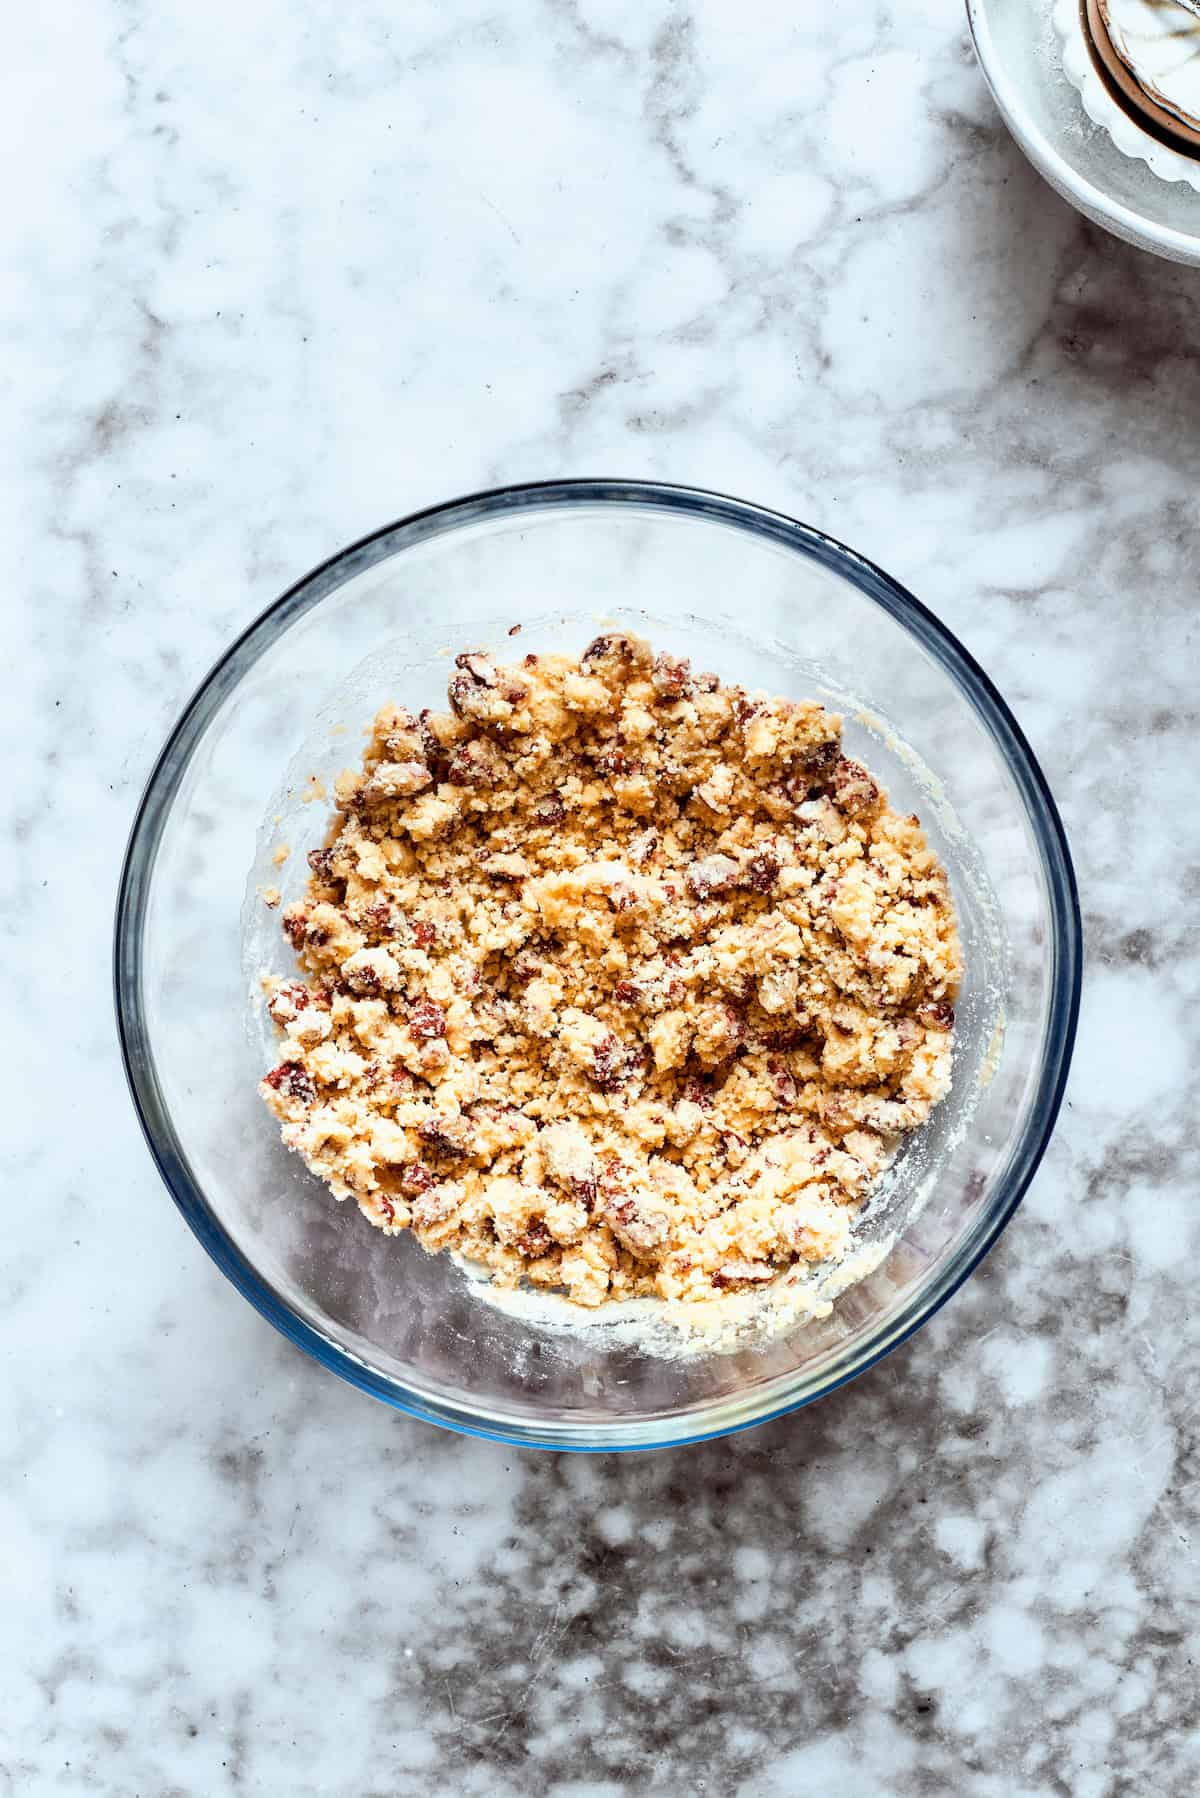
(614, 979)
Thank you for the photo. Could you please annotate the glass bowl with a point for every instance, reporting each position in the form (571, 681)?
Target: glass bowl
(759, 599)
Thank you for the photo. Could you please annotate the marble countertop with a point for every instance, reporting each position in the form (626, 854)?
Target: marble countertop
(277, 273)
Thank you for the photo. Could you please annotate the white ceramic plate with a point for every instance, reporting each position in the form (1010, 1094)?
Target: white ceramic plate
(1021, 56)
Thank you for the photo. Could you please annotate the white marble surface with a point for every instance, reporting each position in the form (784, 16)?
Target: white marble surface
(276, 273)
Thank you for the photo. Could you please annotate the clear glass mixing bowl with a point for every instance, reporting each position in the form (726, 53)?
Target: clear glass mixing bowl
(761, 600)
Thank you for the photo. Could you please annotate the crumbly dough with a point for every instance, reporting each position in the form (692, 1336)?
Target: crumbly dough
(615, 979)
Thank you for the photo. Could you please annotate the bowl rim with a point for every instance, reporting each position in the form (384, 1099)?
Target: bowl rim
(1123, 221)
(717, 1418)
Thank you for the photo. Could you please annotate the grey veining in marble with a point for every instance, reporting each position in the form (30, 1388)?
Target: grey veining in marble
(276, 273)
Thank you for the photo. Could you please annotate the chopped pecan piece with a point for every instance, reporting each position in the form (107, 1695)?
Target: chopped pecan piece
(637, 1220)
(293, 1080)
(461, 691)
(672, 676)
(613, 1064)
(295, 925)
(382, 917)
(395, 780)
(474, 692)
(401, 734)
(550, 810)
(762, 871)
(535, 1240)
(737, 1273)
(426, 1020)
(616, 764)
(820, 761)
(451, 1136)
(479, 665)
(432, 725)
(709, 878)
(370, 972)
(613, 649)
(584, 1190)
(854, 791)
(784, 1082)
(287, 1001)
(475, 764)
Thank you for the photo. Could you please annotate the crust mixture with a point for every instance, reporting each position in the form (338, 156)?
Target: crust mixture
(615, 979)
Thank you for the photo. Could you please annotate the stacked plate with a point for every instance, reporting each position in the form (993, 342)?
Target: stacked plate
(1104, 98)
